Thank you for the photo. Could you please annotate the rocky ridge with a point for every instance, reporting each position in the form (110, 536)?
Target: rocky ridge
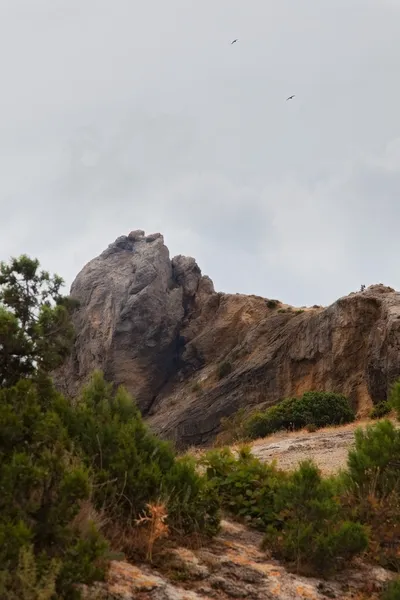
(157, 326)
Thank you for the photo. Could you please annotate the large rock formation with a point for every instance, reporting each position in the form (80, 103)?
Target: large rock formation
(133, 301)
(157, 326)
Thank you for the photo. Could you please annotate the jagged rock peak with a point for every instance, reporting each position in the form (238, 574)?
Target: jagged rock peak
(129, 242)
(133, 302)
(188, 275)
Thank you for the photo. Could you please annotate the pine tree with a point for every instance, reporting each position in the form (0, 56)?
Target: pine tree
(35, 326)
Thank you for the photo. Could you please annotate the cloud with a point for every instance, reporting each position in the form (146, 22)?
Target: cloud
(144, 116)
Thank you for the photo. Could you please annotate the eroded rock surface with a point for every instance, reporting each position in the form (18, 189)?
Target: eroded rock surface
(157, 326)
(133, 300)
(232, 567)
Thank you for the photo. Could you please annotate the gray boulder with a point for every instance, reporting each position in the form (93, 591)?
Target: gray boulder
(133, 301)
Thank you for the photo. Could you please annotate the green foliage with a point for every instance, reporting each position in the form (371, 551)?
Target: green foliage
(232, 428)
(35, 328)
(394, 397)
(29, 582)
(56, 458)
(42, 486)
(311, 532)
(392, 591)
(374, 463)
(380, 410)
(224, 369)
(84, 559)
(373, 489)
(318, 408)
(131, 466)
(120, 466)
(245, 485)
(300, 512)
(192, 500)
(311, 428)
(314, 524)
(272, 303)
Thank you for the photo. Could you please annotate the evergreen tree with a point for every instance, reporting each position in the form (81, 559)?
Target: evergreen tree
(35, 327)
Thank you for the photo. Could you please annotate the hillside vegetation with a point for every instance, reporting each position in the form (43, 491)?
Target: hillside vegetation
(84, 480)
(74, 476)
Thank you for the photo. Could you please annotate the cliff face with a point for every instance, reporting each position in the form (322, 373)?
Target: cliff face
(157, 326)
(133, 300)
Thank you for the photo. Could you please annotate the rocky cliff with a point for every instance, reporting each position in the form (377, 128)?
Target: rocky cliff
(157, 326)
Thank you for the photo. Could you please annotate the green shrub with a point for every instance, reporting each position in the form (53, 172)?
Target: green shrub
(42, 488)
(26, 582)
(42, 482)
(392, 591)
(373, 465)
(224, 369)
(272, 304)
(84, 559)
(36, 333)
(318, 408)
(311, 533)
(380, 410)
(131, 466)
(245, 485)
(300, 512)
(373, 485)
(311, 428)
(232, 429)
(259, 425)
(193, 502)
(54, 456)
(394, 397)
(58, 458)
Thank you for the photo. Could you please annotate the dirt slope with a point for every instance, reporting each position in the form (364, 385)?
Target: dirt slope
(328, 447)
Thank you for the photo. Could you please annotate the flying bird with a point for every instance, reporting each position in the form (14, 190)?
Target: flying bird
(234, 41)
(290, 97)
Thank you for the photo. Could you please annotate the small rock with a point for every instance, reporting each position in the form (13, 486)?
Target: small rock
(242, 572)
(189, 562)
(136, 235)
(229, 587)
(154, 236)
(328, 592)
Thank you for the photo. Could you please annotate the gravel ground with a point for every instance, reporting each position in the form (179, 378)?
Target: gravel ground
(328, 448)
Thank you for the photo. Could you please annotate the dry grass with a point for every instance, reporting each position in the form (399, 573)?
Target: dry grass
(300, 433)
(328, 447)
(88, 516)
(198, 452)
(129, 541)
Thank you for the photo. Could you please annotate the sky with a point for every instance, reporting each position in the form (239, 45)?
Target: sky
(123, 114)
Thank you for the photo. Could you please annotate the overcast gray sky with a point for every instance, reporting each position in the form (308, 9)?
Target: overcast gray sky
(129, 114)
